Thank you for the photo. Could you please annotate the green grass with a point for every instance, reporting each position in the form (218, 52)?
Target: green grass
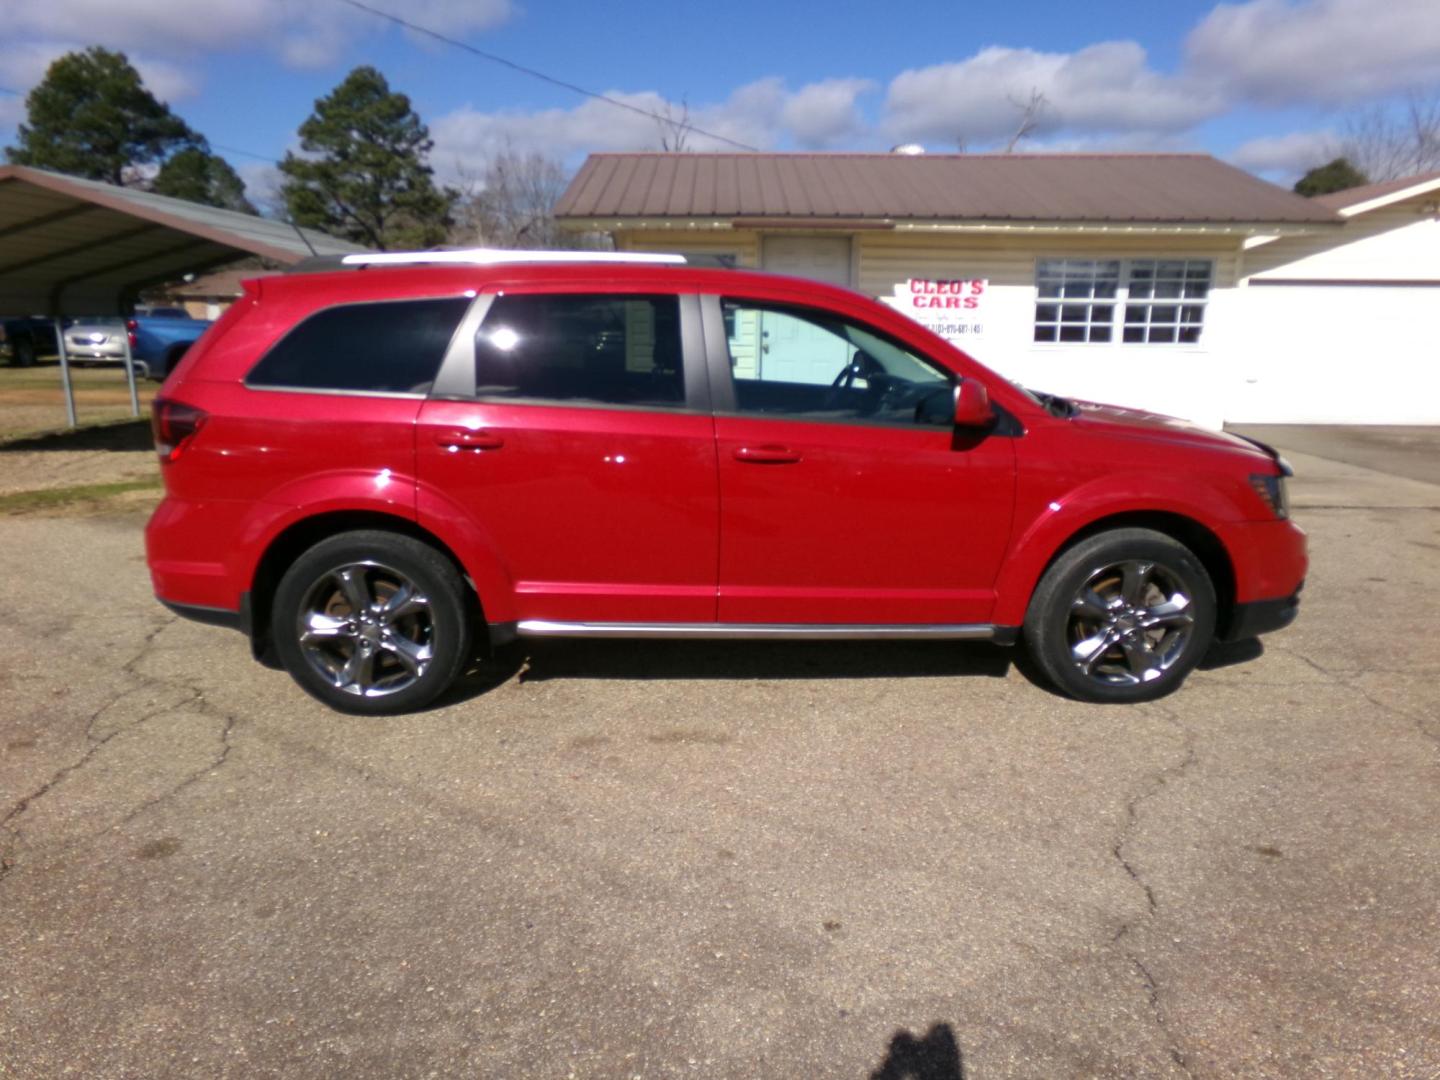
(20, 502)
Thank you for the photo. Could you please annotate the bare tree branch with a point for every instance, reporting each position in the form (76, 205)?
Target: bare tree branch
(1386, 143)
(1030, 114)
(675, 130)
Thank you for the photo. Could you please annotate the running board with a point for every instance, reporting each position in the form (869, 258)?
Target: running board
(537, 628)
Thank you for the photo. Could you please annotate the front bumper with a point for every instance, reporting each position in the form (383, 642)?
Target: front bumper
(1261, 617)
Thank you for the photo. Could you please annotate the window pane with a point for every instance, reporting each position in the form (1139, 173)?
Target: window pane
(616, 350)
(806, 363)
(393, 347)
(1166, 281)
(1075, 281)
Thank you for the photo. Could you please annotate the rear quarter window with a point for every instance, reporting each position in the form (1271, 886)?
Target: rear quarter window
(393, 346)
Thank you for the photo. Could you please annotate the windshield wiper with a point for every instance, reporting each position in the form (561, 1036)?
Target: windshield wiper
(1056, 405)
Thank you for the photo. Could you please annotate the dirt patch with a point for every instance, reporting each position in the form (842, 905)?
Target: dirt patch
(32, 400)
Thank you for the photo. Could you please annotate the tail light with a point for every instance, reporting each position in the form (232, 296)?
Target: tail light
(174, 424)
(130, 332)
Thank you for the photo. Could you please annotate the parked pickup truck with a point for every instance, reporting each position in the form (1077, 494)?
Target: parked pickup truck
(159, 337)
(24, 338)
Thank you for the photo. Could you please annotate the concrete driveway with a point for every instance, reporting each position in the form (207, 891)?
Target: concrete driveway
(620, 860)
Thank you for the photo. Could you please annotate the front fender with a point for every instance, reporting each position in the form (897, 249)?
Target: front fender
(1051, 524)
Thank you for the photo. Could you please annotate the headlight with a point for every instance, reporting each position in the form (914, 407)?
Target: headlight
(1271, 489)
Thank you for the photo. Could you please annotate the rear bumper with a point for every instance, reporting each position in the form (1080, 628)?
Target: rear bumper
(231, 620)
(1261, 617)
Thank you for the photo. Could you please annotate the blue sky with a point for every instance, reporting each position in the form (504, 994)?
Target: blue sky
(1268, 84)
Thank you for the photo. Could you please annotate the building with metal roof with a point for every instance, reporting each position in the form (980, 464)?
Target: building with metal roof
(1172, 282)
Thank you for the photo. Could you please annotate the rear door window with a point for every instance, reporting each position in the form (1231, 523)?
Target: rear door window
(388, 347)
(602, 349)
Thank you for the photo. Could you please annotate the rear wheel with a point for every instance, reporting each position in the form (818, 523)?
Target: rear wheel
(1121, 617)
(24, 353)
(372, 622)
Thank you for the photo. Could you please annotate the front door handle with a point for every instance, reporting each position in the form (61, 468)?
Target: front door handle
(465, 439)
(766, 455)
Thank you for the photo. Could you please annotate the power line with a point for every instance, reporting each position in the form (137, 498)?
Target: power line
(534, 74)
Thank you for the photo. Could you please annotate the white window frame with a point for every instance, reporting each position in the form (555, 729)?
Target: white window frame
(1129, 292)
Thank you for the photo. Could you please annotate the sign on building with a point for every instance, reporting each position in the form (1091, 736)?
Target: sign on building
(954, 308)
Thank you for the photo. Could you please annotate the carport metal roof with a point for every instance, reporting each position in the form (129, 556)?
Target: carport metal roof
(80, 247)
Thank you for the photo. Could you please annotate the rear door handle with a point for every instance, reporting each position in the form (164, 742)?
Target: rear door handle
(465, 439)
(766, 455)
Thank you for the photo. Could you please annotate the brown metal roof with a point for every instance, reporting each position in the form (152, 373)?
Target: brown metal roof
(1067, 188)
(1339, 200)
(73, 246)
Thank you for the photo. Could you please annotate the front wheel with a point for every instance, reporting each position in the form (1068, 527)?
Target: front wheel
(372, 622)
(1121, 617)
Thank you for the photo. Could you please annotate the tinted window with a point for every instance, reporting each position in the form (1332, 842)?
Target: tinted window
(394, 346)
(809, 364)
(617, 350)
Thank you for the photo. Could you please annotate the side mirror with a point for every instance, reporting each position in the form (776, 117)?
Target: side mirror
(972, 404)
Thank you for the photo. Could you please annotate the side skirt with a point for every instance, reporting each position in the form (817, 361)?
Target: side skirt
(541, 628)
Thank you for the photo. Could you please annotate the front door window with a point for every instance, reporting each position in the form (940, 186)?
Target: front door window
(808, 364)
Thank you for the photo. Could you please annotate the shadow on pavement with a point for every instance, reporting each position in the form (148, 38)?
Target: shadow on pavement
(935, 1057)
(130, 435)
(1231, 653)
(759, 659)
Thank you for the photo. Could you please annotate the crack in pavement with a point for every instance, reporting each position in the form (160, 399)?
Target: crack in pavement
(1132, 816)
(1417, 719)
(97, 743)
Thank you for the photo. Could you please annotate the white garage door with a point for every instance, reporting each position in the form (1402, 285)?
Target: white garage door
(1336, 354)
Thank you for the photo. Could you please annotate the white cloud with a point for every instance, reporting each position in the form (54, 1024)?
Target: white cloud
(1107, 87)
(24, 64)
(825, 113)
(1278, 52)
(304, 33)
(762, 114)
(1287, 156)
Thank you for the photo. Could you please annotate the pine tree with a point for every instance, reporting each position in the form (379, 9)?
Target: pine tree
(1338, 175)
(200, 176)
(92, 116)
(363, 170)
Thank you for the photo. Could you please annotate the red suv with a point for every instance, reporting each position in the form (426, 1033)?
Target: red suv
(379, 472)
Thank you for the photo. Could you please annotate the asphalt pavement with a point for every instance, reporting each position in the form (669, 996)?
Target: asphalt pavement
(649, 860)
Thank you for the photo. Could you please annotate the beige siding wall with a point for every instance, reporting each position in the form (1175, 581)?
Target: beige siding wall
(745, 246)
(1397, 243)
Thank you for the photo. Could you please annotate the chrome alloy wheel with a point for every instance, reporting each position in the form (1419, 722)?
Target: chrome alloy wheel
(367, 629)
(1129, 622)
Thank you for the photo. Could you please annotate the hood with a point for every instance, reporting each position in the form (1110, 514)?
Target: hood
(1119, 420)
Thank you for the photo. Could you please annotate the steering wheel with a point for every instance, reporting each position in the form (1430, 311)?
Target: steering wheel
(861, 366)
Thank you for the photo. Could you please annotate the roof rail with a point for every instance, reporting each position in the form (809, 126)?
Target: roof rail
(492, 256)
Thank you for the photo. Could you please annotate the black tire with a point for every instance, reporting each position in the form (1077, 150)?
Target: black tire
(372, 663)
(1101, 628)
(24, 353)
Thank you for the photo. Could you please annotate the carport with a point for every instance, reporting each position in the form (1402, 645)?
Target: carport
(80, 248)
